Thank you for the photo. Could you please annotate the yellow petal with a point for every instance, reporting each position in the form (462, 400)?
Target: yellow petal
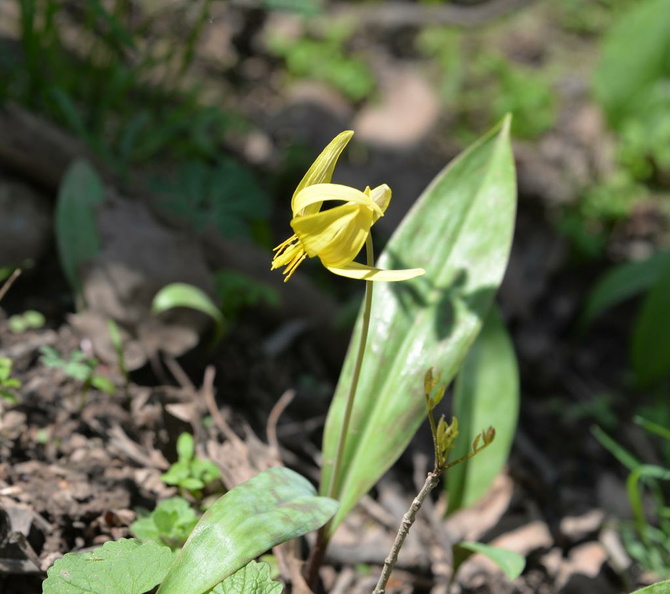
(322, 169)
(381, 196)
(362, 272)
(348, 242)
(318, 231)
(304, 202)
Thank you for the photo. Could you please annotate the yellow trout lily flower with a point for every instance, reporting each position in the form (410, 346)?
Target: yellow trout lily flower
(338, 234)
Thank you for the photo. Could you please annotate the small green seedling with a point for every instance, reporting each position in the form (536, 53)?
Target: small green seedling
(190, 472)
(169, 524)
(8, 384)
(28, 320)
(78, 367)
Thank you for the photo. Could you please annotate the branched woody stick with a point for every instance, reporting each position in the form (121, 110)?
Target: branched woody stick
(444, 436)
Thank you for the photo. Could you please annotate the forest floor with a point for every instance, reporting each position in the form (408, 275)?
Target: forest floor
(77, 463)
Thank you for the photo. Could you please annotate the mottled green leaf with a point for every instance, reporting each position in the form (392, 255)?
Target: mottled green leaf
(487, 394)
(253, 578)
(125, 566)
(460, 231)
(77, 234)
(185, 295)
(272, 507)
(511, 563)
(651, 335)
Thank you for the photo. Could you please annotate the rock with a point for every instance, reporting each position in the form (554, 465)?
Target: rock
(139, 257)
(25, 225)
(473, 522)
(583, 571)
(407, 112)
(612, 496)
(525, 540)
(577, 528)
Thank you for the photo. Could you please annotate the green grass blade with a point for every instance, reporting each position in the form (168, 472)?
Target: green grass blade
(619, 452)
(460, 232)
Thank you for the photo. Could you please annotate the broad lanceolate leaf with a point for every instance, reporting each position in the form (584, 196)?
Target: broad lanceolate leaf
(511, 563)
(460, 232)
(253, 578)
(651, 335)
(623, 282)
(487, 394)
(273, 507)
(125, 566)
(77, 234)
(185, 295)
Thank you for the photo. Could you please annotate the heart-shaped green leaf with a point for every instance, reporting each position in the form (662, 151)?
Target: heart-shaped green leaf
(460, 232)
(126, 566)
(253, 578)
(272, 507)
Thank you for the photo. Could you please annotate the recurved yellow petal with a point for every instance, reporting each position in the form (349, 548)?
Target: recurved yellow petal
(313, 196)
(368, 273)
(381, 196)
(322, 169)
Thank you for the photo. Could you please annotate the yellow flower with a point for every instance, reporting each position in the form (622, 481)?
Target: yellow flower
(335, 235)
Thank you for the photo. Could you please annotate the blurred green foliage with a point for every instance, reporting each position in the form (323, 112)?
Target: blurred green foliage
(327, 58)
(111, 87)
(8, 384)
(480, 85)
(224, 194)
(78, 366)
(647, 538)
(637, 104)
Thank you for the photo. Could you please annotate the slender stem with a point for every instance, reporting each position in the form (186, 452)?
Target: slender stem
(323, 535)
(333, 487)
(407, 521)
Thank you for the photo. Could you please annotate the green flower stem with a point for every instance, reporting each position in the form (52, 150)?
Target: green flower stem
(323, 535)
(333, 488)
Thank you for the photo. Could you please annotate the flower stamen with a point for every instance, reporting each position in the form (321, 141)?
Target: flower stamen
(290, 254)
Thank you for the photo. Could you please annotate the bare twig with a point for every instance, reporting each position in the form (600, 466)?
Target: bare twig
(432, 479)
(178, 373)
(444, 436)
(273, 418)
(400, 14)
(208, 395)
(9, 282)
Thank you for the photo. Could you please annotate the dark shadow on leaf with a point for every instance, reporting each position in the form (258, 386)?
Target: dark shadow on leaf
(421, 292)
